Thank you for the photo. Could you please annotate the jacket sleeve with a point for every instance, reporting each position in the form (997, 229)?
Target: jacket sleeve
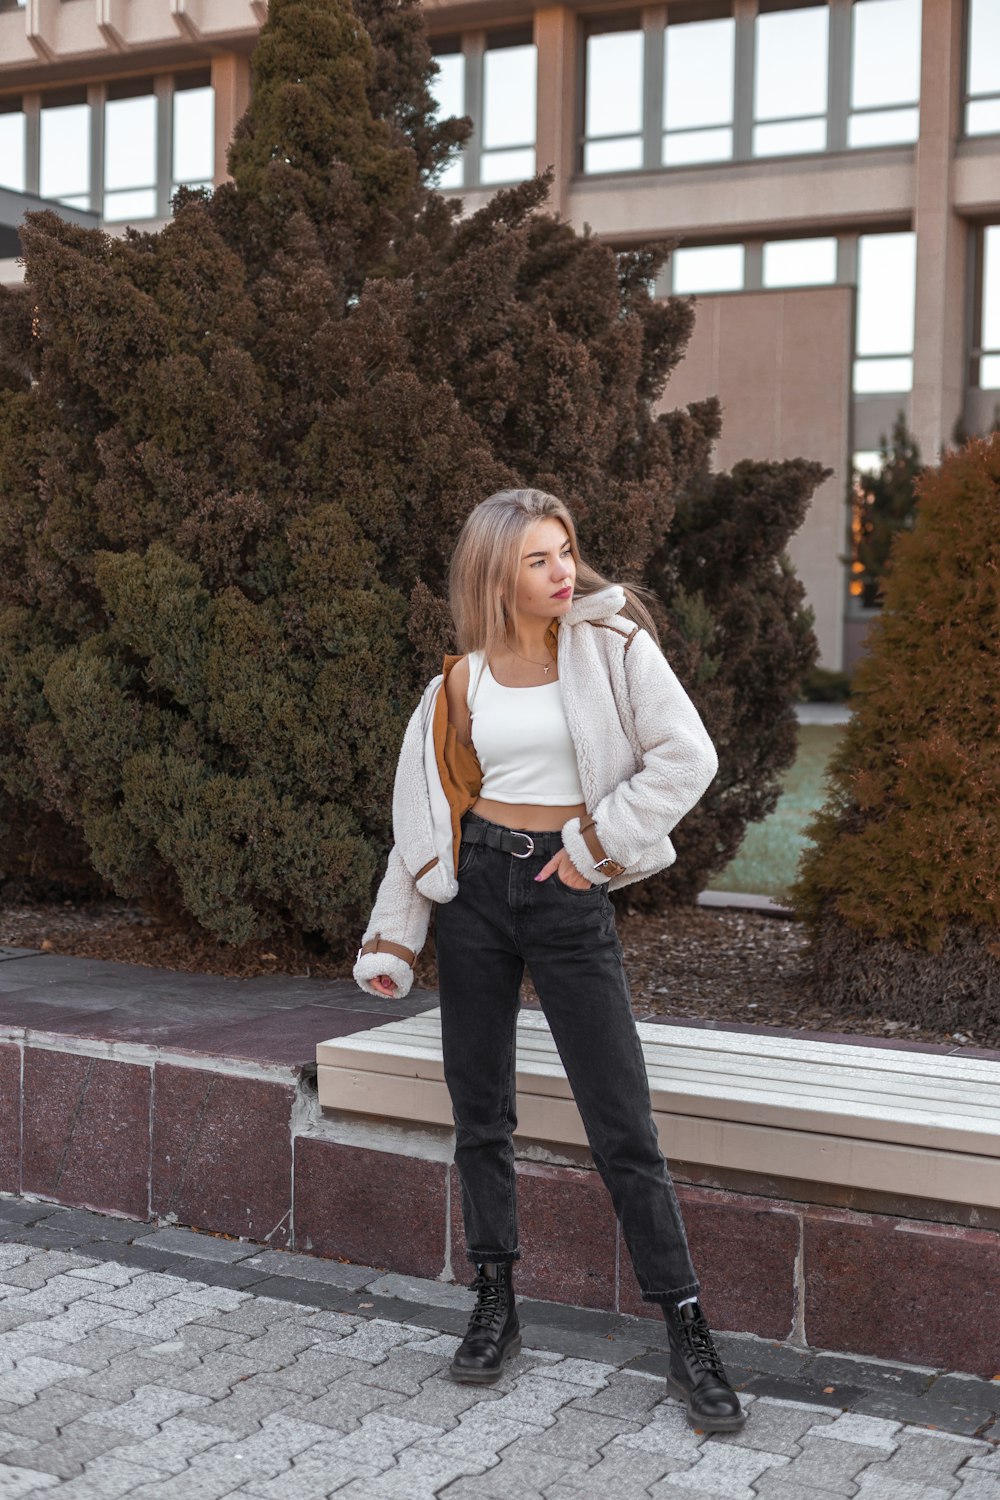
(679, 763)
(401, 915)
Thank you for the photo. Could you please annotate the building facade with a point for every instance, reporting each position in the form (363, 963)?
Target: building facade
(830, 173)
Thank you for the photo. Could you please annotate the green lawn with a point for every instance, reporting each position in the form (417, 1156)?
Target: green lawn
(766, 860)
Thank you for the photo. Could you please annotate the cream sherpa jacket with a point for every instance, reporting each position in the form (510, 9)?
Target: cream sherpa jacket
(643, 755)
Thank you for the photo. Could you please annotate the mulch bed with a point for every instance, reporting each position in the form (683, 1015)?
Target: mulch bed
(726, 965)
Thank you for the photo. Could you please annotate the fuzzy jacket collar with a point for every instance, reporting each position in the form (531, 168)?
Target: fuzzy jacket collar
(606, 602)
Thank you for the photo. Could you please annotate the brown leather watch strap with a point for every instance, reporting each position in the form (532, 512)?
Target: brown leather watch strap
(379, 944)
(609, 866)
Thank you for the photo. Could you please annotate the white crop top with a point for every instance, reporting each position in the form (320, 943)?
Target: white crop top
(522, 740)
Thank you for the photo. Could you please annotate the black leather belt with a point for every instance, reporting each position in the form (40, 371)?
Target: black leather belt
(509, 839)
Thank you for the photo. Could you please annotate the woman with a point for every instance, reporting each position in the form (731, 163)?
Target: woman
(541, 769)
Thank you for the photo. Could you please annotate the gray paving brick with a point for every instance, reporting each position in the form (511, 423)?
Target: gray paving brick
(665, 1431)
(188, 1242)
(933, 1457)
(247, 1405)
(313, 1268)
(30, 1375)
(54, 1409)
(577, 1435)
(854, 1427)
(39, 1268)
(15, 1482)
(774, 1426)
(143, 1413)
(929, 1410)
(314, 1371)
(278, 1347)
(726, 1473)
(142, 1292)
(538, 1402)
(975, 1484)
(97, 1350)
(873, 1484)
(107, 1478)
(423, 1290)
(625, 1395)
(255, 1316)
(364, 1454)
(172, 1446)
(405, 1369)
(214, 1375)
(372, 1341)
(346, 1404)
(66, 1454)
(622, 1473)
(823, 1465)
(107, 1272)
(440, 1403)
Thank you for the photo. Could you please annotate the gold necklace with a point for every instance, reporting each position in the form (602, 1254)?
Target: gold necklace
(545, 669)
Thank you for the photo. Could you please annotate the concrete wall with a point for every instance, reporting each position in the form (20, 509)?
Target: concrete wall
(780, 362)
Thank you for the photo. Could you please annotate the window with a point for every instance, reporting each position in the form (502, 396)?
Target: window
(448, 90)
(64, 146)
(885, 72)
(708, 268)
(989, 318)
(509, 80)
(613, 105)
(982, 109)
(12, 138)
(811, 262)
(130, 115)
(790, 81)
(698, 92)
(883, 343)
(193, 144)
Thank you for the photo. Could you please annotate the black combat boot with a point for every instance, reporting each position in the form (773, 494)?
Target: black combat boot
(494, 1331)
(696, 1375)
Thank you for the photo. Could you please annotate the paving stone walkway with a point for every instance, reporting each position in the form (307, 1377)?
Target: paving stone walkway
(160, 1363)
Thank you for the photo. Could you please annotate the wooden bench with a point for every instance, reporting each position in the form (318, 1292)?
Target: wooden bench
(911, 1123)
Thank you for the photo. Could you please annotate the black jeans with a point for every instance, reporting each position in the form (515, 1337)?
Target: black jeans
(501, 920)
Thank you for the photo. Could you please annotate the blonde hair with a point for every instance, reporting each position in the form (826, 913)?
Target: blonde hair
(487, 560)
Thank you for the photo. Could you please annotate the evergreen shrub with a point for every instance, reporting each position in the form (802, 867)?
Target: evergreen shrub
(900, 886)
(234, 457)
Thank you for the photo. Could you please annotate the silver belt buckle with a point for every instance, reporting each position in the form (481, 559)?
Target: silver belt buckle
(531, 844)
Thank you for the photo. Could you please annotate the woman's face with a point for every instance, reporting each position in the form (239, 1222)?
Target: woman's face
(547, 572)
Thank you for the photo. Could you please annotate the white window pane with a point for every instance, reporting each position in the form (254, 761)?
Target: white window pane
(612, 156)
(697, 145)
(698, 88)
(509, 107)
(448, 88)
(614, 84)
(453, 175)
(507, 166)
(886, 127)
(708, 268)
(194, 135)
(984, 47)
(991, 287)
(989, 373)
(787, 140)
(885, 54)
(129, 143)
(982, 117)
(65, 152)
(800, 262)
(867, 461)
(886, 282)
(791, 63)
(876, 376)
(122, 208)
(12, 152)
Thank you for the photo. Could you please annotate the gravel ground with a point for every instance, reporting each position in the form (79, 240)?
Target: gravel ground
(692, 962)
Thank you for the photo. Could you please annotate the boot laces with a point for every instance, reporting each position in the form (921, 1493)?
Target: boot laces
(487, 1300)
(698, 1337)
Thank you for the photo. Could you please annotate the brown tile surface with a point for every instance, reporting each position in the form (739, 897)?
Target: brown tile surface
(743, 1251)
(372, 1207)
(902, 1289)
(222, 1154)
(10, 1119)
(86, 1131)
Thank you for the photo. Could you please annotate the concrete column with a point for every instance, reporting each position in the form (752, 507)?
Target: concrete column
(559, 102)
(231, 82)
(939, 354)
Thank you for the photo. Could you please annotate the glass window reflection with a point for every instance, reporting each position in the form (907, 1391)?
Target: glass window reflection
(698, 91)
(883, 341)
(130, 159)
(708, 268)
(982, 112)
(885, 72)
(12, 144)
(809, 262)
(613, 106)
(790, 81)
(193, 144)
(64, 145)
(509, 112)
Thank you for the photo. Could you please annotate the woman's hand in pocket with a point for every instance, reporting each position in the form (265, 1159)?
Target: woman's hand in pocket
(561, 865)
